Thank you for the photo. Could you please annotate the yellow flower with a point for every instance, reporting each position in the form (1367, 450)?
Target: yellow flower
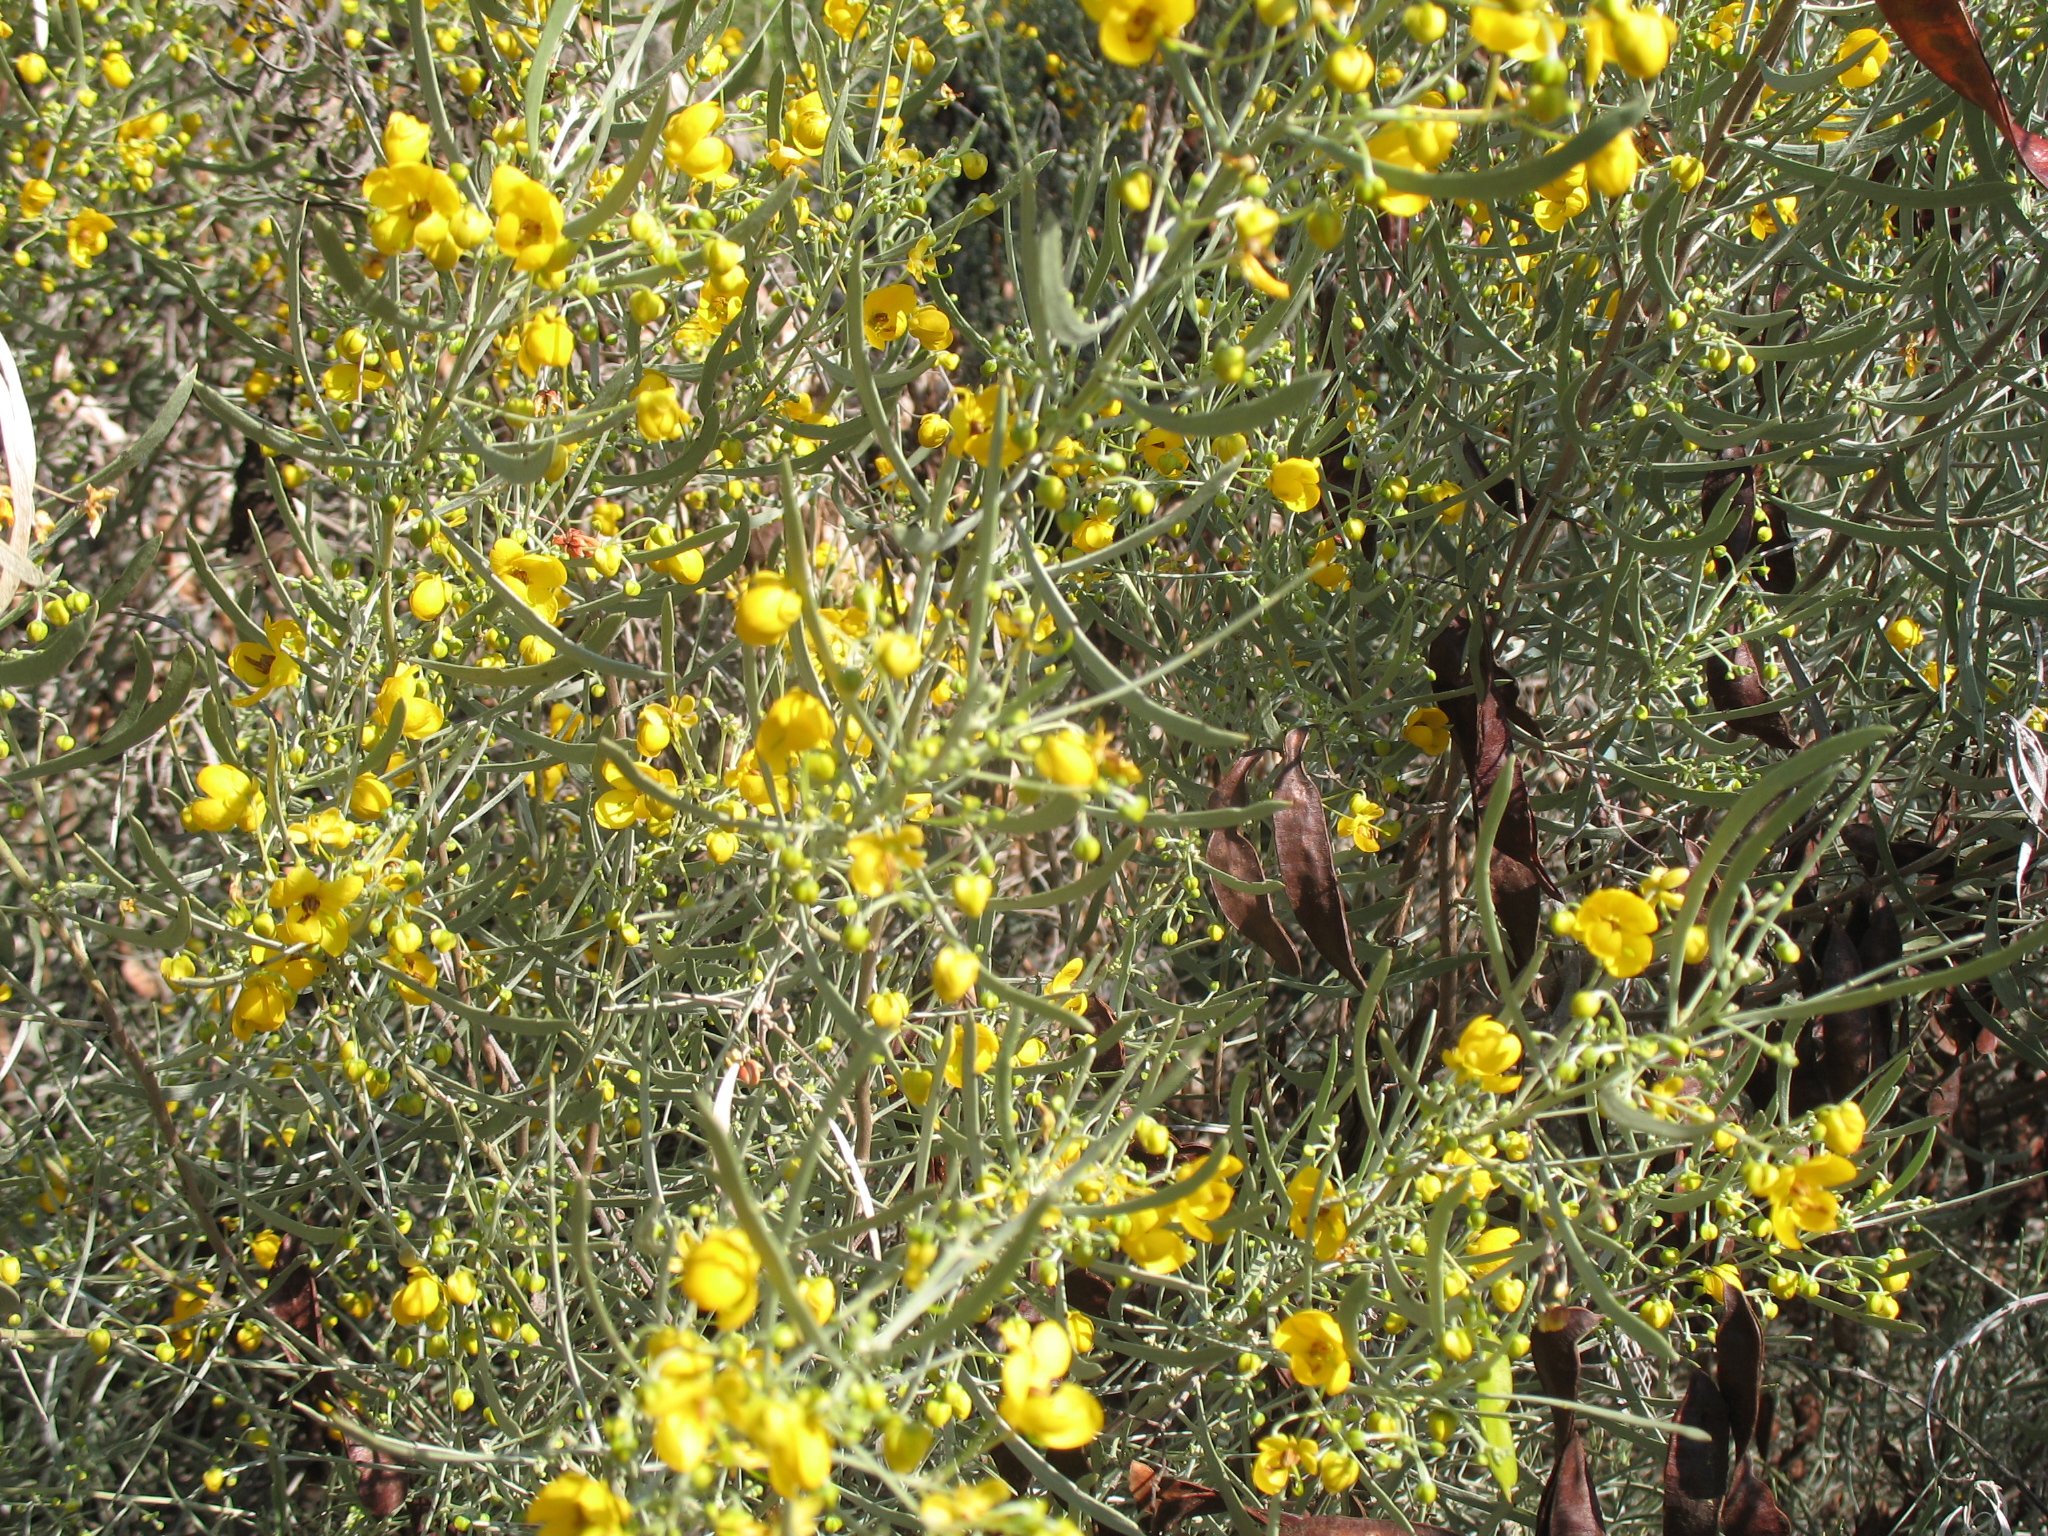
(1363, 826)
(1721, 30)
(350, 381)
(722, 1276)
(1664, 888)
(885, 313)
(575, 1505)
(1061, 1416)
(819, 1297)
(721, 845)
(794, 724)
(1281, 1459)
(1562, 200)
(324, 829)
(537, 579)
(1325, 569)
(1130, 31)
(417, 1300)
(1612, 170)
(1164, 451)
(807, 122)
(1904, 633)
(954, 973)
(85, 237)
(530, 220)
(417, 207)
(845, 17)
(1066, 758)
(880, 858)
(766, 610)
(799, 1451)
(1492, 1240)
(1841, 1126)
(1314, 1345)
(1210, 1201)
(262, 1006)
(270, 663)
(987, 1045)
(1802, 1195)
(690, 142)
(545, 342)
(963, 1507)
(1428, 730)
(403, 694)
(1516, 34)
(623, 804)
(36, 195)
(228, 798)
(315, 910)
(1773, 217)
(657, 410)
(406, 139)
(1615, 926)
(1297, 484)
(33, 68)
(1313, 1190)
(889, 1010)
(1871, 65)
(1486, 1054)
(930, 328)
(1637, 40)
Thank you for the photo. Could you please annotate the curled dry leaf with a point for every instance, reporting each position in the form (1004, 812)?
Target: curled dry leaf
(1308, 865)
(1736, 687)
(1232, 852)
(1943, 35)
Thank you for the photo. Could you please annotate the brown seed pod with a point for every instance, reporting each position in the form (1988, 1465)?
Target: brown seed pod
(1232, 852)
(1308, 865)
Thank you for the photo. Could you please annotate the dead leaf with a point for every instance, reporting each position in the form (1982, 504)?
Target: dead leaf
(1308, 865)
(1232, 852)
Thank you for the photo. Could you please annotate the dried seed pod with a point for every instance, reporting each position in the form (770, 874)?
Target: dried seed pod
(1943, 36)
(1737, 685)
(1164, 1500)
(1778, 571)
(1232, 852)
(1308, 866)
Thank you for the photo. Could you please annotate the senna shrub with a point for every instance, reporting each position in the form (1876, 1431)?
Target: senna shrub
(669, 647)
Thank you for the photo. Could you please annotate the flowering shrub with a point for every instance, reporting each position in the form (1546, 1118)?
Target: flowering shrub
(666, 650)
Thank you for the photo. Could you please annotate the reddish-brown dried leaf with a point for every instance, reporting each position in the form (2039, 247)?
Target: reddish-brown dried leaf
(1777, 571)
(1164, 1500)
(1737, 684)
(1696, 1471)
(293, 1297)
(1232, 852)
(1570, 1507)
(1308, 865)
(1943, 35)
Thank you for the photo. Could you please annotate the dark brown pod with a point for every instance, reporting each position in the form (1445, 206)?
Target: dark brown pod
(1696, 1471)
(1554, 1351)
(1352, 1525)
(1502, 490)
(1517, 904)
(1749, 1509)
(1848, 1039)
(1943, 36)
(1739, 1365)
(1308, 865)
(1570, 1507)
(1736, 687)
(1232, 852)
(1777, 571)
(1479, 724)
(1164, 1501)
